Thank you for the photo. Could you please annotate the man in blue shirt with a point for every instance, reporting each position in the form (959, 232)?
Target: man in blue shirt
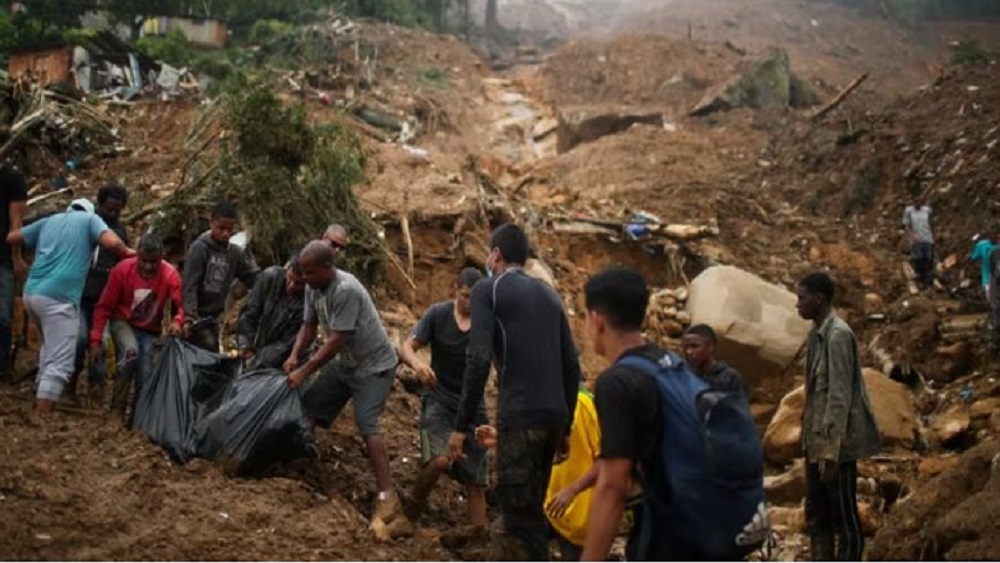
(981, 253)
(63, 244)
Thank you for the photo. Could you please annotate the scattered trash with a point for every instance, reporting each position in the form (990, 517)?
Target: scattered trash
(417, 152)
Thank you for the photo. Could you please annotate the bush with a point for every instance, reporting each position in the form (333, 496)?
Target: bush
(969, 52)
(266, 129)
(407, 13)
(215, 64)
(173, 48)
(265, 30)
(290, 180)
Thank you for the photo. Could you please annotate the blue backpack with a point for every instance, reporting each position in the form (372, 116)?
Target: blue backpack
(705, 498)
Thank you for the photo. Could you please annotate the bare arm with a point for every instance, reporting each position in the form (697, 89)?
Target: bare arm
(115, 245)
(408, 352)
(334, 342)
(606, 507)
(16, 211)
(305, 338)
(588, 480)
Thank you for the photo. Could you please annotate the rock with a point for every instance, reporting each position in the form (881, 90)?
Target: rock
(931, 466)
(585, 125)
(789, 487)
(874, 304)
(801, 95)
(787, 520)
(984, 408)
(684, 318)
(765, 84)
(871, 520)
(762, 414)
(544, 128)
(950, 426)
(867, 486)
(758, 328)
(959, 358)
(783, 437)
(540, 270)
(681, 294)
(672, 328)
(891, 402)
(894, 409)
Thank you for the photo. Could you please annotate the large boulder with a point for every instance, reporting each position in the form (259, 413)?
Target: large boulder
(788, 487)
(765, 84)
(759, 330)
(895, 410)
(783, 437)
(892, 403)
(584, 125)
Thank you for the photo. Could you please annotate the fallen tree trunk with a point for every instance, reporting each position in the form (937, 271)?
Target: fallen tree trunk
(839, 98)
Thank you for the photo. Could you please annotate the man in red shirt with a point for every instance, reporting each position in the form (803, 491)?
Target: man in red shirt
(134, 301)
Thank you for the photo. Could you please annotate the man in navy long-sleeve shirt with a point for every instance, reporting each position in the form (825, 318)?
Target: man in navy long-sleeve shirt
(519, 322)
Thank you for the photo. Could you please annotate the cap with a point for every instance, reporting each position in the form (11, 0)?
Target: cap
(81, 204)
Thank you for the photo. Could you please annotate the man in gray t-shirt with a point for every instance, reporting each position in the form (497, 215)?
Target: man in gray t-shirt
(917, 223)
(337, 304)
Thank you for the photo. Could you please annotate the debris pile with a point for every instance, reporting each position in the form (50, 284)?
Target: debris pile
(62, 125)
(666, 314)
(954, 515)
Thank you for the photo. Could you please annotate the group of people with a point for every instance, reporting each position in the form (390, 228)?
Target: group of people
(576, 460)
(917, 223)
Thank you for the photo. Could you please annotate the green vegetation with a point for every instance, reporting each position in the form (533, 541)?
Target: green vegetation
(912, 12)
(173, 48)
(435, 76)
(969, 52)
(289, 178)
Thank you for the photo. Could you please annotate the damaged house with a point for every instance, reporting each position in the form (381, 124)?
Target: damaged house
(99, 63)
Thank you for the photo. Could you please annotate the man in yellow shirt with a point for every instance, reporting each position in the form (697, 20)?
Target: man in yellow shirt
(567, 502)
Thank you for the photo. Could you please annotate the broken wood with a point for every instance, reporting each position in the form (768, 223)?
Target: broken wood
(404, 224)
(43, 197)
(839, 98)
(910, 276)
(581, 224)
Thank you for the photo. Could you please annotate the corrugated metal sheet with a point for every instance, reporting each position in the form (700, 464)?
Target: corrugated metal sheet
(48, 66)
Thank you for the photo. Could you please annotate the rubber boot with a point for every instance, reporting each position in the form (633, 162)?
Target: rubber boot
(821, 547)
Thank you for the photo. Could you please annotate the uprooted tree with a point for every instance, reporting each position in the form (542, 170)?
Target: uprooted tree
(289, 179)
